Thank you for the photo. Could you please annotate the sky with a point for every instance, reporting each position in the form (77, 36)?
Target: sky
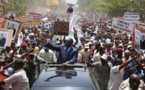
(71, 1)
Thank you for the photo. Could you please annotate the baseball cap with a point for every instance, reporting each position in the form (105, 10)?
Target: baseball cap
(86, 46)
(24, 44)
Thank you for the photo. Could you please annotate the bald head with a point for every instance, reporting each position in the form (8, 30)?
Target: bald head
(134, 81)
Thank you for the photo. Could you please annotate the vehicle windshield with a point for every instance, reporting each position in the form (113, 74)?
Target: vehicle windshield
(63, 88)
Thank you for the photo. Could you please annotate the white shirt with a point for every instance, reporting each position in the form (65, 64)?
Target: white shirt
(116, 77)
(18, 80)
(48, 56)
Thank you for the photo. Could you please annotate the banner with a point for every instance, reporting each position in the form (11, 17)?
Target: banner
(132, 17)
(13, 25)
(6, 37)
(121, 25)
(36, 15)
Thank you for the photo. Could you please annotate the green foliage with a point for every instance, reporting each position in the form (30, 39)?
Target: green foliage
(118, 7)
(114, 8)
(17, 6)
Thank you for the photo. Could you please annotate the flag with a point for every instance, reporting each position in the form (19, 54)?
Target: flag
(72, 22)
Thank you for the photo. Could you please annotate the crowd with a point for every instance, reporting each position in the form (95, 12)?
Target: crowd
(109, 54)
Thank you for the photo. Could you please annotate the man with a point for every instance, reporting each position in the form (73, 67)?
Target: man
(97, 57)
(134, 82)
(67, 53)
(30, 68)
(47, 55)
(19, 79)
(11, 16)
(116, 74)
(103, 72)
(125, 84)
(2, 40)
(84, 53)
(70, 9)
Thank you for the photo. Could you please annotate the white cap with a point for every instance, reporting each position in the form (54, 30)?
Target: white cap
(107, 41)
(129, 46)
(31, 34)
(57, 42)
(86, 46)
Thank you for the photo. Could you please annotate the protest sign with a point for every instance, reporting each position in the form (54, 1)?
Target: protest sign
(36, 21)
(11, 15)
(6, 37)
(70, 8)
(26, 21)
(137, 38)
(142, 41)
(121, 25)
(13, 25)
(142, 25)
(36, 15)
(132, 17)
(61, 28)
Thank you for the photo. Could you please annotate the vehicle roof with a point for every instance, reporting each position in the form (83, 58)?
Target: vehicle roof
(82, 79)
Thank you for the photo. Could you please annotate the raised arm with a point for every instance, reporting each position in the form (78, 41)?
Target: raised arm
(121, 66)
(139, 64)
(53, 47)
(10, 61)
(75, 36)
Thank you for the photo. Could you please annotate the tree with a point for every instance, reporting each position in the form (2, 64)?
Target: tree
(119, 7)
(17, 6)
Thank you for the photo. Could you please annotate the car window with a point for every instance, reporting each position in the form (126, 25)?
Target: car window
(63, 88)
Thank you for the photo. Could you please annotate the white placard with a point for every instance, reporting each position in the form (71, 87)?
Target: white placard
(132, 17)
(122, 25)
(137, 38)
(142, 25)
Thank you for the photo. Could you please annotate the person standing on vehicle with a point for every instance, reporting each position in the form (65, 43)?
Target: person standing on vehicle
(67, 53)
